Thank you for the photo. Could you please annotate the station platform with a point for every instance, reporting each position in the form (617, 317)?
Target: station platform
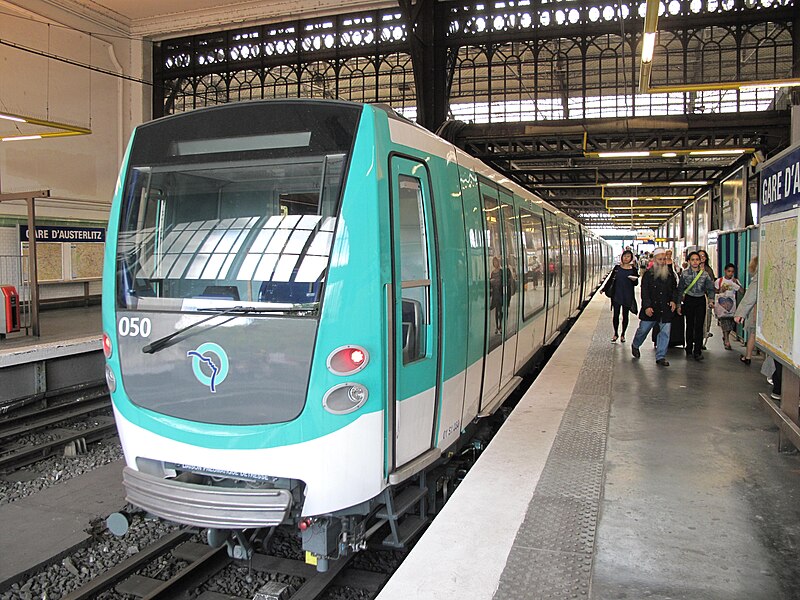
(68, 353)
(615, 478)
(58, 326)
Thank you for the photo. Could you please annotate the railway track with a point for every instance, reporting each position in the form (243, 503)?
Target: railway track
(15, 454)
(204, 563)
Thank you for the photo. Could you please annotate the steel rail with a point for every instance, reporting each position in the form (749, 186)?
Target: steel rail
(116, 574)
(22, 424)
(201, 570)
(24, 456)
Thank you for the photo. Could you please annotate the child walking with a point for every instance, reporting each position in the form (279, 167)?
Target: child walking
(726, 288)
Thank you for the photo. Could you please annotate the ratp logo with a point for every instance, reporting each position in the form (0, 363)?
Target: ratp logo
(215, 360)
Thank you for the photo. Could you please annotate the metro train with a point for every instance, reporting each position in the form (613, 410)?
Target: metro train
(306, 304)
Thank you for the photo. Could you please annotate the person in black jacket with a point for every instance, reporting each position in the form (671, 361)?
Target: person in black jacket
(620, 288)
(659, 301)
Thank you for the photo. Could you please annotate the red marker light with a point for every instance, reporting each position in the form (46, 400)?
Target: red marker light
(107, 348)
(357, 356)
(347, 360)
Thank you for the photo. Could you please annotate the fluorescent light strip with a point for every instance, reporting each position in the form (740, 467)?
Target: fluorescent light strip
(623, 184)
(19, 138)
(648, 45)
(688, 183)
(12, 118)
(625, 154)
(718, 152)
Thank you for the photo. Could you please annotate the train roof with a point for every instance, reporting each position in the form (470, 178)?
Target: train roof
(408, 133)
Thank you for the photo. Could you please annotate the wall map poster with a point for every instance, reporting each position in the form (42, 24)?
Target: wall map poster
(49, 262)
(776, 324)
(87, 260)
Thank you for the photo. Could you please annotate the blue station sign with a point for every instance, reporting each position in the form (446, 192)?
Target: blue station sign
(45, 233)
(779, 180)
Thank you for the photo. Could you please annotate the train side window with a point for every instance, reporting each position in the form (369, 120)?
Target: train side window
(511, 270)
(415, 278)
(566, 260)
(553, 258)
(494, 267)
(534, 261)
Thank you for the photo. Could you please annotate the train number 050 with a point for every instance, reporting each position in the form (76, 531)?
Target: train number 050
(134, 326)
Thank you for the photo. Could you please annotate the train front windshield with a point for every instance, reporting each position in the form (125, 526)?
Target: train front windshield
(233, 206)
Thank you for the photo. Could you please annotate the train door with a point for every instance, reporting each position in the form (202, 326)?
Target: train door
(415, 305)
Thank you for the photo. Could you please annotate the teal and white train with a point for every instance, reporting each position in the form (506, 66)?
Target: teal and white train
(306, 303)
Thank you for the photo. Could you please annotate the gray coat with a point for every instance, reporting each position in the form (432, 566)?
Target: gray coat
(748, 303)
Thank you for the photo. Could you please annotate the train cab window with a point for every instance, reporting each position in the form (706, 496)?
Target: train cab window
(414, 269)
(236, 202)
(533, 281)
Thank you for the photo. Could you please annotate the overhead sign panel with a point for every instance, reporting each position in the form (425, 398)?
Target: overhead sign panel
(779, 180)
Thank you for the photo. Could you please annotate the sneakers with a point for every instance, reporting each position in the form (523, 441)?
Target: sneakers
(635, 352)
(775, 396)
(663, 362)
(699, 356)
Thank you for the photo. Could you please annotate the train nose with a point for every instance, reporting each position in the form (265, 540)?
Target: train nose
(206, 506)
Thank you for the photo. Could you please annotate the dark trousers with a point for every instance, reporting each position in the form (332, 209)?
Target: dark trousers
(777, 378)
(694, 308)
(615, 319)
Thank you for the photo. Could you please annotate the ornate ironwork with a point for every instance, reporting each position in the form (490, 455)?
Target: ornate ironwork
(562, 63)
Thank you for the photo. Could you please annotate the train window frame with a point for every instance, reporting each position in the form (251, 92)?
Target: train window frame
(512, 263)
(419, 307)
(553, 252)
(535, 218)
(566, 286)
(494, 334)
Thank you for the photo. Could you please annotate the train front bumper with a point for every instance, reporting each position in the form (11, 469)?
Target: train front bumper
(206, 506)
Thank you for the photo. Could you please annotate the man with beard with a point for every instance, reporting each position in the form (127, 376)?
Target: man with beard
(659, 301)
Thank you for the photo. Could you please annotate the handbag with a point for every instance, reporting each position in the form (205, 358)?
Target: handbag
(725, 305)
(608, 288)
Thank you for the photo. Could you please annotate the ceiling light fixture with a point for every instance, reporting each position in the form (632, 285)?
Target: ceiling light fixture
(19, 138)
(719, 152)
(12, 118)
(623, 184)
(55, 129)
(646, 198)
(624, 154)
(688, 183)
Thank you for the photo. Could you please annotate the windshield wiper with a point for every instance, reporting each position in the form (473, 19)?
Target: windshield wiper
(163, 342)
(160, 343)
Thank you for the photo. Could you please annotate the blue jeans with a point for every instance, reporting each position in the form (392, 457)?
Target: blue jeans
(662, 343)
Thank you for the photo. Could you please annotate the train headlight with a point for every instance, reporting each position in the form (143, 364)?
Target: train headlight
(111, 379)
(345, 398)
(108, 349)
(347, 360)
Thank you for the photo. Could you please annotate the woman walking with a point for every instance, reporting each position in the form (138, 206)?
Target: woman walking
(693, 287)
(619, 288)
(746, 314)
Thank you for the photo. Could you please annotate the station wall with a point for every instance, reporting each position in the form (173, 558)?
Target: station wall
(79, 171)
